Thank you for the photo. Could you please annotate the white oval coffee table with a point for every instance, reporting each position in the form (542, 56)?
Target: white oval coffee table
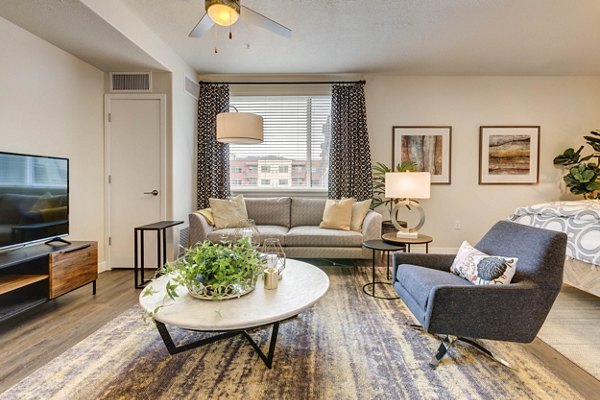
(301, 286)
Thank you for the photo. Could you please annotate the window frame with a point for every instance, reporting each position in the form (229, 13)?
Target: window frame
(308, 166)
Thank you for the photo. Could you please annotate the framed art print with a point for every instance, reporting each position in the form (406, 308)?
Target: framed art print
(427, 146)
(509, 155)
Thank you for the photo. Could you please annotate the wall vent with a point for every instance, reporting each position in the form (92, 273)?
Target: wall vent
(131, 82)
(191, 87)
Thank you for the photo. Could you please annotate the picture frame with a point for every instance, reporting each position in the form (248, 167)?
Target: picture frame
(509, 155)
(430, 147)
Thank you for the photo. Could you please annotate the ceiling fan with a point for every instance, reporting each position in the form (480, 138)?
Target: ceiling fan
(227, 12)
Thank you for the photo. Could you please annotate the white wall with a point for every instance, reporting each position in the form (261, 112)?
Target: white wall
(51, 104)
(566, 108)
(181, 133)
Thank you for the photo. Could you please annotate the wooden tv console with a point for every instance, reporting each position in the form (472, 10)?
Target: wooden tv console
(36, 274)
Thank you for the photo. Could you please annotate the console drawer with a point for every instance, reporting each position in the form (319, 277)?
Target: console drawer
(73, 268)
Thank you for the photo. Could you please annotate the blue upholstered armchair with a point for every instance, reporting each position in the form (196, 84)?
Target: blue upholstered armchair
(448, 305)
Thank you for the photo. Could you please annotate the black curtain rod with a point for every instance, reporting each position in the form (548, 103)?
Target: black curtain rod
(286, 83)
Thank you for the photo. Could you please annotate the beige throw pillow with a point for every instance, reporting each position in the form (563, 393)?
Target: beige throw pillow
(337, 214)
(207, 214)
(359, 212)
(228, 213)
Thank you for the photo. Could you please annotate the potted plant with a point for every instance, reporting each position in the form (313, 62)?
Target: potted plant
(214, 271)
(582, 178)
(379, 170)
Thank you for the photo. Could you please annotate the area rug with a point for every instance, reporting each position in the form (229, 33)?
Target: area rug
(572, 328)
(348, 346)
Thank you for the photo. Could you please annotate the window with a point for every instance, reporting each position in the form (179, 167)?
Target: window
(236, 170)
(236, 182)
(296, 141)
(252, 181)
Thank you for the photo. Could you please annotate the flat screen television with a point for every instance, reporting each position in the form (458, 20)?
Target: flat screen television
(34, 199)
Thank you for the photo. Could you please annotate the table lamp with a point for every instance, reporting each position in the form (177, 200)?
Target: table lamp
(402, 187)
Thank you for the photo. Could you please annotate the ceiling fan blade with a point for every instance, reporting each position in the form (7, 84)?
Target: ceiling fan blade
(257, 18)
(202, 26)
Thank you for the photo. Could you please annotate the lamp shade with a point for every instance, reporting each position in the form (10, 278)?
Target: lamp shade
(407, 185)
(239, 128)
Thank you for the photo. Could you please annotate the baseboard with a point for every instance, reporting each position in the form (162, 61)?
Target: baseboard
(102, 267)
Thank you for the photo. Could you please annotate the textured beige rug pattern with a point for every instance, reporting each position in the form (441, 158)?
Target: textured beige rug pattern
(348, 346)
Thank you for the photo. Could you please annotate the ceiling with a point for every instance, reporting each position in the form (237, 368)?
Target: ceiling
(412, 37)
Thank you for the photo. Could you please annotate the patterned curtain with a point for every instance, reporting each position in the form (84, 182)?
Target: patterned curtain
(349, 153)
(213, 156)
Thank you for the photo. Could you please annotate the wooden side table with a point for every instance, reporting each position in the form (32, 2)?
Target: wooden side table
(421, 239)
(161, 248)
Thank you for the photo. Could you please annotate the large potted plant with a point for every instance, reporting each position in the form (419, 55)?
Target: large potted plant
(378, 171)
(582, 178)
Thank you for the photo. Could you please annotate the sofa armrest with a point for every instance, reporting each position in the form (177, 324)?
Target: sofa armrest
(199, 229)
(513, 312)
(371, 227)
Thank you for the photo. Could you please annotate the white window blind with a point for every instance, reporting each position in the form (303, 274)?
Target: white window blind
(296, 141)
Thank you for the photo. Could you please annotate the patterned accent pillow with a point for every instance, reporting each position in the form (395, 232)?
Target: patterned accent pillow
(483, 269)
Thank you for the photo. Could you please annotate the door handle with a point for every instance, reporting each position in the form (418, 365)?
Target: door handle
(153, 193)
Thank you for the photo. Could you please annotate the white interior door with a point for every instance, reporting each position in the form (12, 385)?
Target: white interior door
(135, 169)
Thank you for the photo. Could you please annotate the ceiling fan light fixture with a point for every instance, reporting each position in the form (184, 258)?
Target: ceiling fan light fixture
(223, 12)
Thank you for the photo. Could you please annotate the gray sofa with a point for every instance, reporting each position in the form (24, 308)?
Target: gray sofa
(295, 222)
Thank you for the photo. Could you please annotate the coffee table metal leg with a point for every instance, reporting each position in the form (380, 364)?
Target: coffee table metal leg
(268, 359)
(174, 349)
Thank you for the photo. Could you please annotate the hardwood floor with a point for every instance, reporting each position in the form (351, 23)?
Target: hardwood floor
(31, 340)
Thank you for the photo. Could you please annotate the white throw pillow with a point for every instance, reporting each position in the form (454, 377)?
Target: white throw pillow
(483, 269)
(337, 214)
(228, 213)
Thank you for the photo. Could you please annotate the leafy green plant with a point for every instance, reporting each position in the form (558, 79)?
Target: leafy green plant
(213, 270)
(379, 170)
(582, 178)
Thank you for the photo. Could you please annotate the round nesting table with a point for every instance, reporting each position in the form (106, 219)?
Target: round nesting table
(301, 286)
(382, 246)
(421, 239)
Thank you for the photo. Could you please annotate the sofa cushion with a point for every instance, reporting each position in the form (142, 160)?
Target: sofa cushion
(269, 211)
(307, 212)
(228, 213)
(337, 214)
(359, 212)
(313, 236)
(418, 281)
(266, 231)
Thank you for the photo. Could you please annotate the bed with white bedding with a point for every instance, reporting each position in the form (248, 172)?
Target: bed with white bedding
(580, 220)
